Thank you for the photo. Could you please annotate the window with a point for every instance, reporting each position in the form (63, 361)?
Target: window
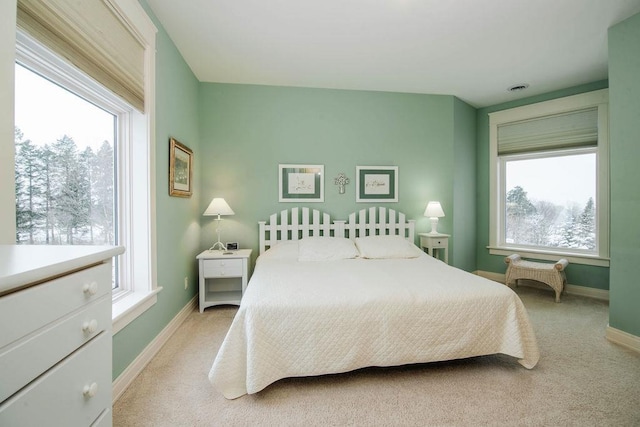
(549, 191)
(127, 116)
(64, 166)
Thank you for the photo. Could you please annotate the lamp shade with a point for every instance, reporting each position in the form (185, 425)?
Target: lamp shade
(218, 206)
(434, 210)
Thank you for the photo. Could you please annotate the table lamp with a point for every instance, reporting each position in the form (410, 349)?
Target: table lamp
(218, 207)
(434, 211)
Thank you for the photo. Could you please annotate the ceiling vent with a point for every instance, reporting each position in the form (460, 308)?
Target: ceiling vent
(518, 87)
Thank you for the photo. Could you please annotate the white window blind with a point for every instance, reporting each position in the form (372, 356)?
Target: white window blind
(567, 130)
(93, 37)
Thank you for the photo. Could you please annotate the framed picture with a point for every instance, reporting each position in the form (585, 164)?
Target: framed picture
(180, 169)
(301, 183)
(376, 184)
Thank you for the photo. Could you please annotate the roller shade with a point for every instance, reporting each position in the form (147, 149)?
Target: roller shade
(568, 130)
(91, 35)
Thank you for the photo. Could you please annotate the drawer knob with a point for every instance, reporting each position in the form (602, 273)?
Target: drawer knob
(90, 288)
(90, 390)
(90, 327)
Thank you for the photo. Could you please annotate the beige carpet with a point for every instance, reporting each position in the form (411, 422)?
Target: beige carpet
(581, 380)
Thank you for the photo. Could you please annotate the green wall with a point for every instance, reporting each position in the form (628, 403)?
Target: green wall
(624, 94)
(247, 130)
(464, 188)
(583, 275)
(177, 226)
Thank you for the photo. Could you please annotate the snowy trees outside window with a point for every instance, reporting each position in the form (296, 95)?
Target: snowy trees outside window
(543, 223)
(64, 195)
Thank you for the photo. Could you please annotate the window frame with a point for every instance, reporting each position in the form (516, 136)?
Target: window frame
(497, 244)
(134, 145)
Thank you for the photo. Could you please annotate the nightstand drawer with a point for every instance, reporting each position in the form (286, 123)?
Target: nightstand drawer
(222, 268)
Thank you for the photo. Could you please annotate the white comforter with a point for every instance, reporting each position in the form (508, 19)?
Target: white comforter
(311, 318)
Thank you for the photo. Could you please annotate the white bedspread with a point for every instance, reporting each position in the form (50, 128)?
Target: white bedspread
(312, 318)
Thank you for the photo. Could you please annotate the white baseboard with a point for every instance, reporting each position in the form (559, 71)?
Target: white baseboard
(125, 379)
(584, 291)
(622, 338)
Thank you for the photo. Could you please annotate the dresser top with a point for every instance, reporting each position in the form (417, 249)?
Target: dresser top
(23, 265)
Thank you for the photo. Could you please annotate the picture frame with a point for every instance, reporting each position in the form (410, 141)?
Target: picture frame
(376, 184)
(300, 183)
(180, 169)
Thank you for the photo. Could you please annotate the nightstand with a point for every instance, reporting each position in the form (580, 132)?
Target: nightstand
(431, 242)
(223, 277)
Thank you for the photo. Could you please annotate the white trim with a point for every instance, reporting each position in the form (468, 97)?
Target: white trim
(127, 376)
(623, 338)
(584, 291)
(129, 307)
(550, 256)
(599, 99)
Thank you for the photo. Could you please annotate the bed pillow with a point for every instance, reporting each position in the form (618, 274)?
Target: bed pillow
(282, 250)
(326, 249)
(375, 247)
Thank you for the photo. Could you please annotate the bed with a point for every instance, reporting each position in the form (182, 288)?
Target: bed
(331, 296)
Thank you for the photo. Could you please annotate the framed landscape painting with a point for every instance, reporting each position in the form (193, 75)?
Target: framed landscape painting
(301, 183)
(180, 169)
(376, 184)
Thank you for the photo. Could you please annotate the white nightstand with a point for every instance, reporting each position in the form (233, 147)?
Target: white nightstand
(431, 242)
(223, 278)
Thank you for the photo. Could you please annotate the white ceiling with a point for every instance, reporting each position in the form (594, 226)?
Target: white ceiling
(473, 49)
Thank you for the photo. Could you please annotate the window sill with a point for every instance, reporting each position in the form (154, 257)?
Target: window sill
(129, 307)
(551, 256)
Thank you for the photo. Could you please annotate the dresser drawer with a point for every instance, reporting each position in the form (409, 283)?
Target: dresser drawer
(49, 301)
(222, 268)
(31, 356)
(64, 395)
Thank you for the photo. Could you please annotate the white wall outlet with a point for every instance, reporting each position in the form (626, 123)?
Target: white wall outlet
(186, 283)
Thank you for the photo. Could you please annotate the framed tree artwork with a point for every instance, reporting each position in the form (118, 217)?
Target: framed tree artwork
(180, 169)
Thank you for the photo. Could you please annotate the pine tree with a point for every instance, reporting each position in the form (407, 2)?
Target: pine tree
(520, 214)
(586, 224)
(84, 220)
(28, 168)
(68, 194)
(48, 196)
(103, 191)
(569, 238)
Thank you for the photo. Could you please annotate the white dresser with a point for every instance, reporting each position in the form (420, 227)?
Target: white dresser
(55, 335)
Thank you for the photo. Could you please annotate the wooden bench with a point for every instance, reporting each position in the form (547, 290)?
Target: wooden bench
(547, 273)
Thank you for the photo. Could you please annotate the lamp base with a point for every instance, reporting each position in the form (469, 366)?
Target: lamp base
(434, 225)
(216, 244)
(219, 243)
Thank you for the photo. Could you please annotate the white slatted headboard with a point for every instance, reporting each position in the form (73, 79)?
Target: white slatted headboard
(377, 222)
(299, 223)
(294, 225)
